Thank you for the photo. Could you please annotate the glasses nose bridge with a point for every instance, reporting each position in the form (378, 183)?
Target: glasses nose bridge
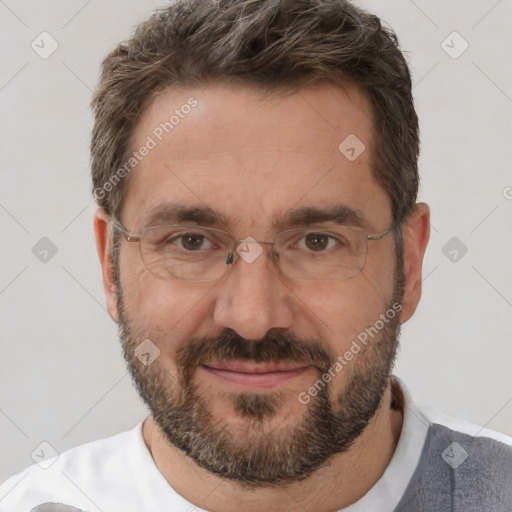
(231, 259)
(252, 240)
(246, 241)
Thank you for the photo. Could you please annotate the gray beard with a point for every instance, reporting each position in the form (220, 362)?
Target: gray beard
(266, 457)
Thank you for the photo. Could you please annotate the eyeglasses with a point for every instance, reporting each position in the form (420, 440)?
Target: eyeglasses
(202, 254)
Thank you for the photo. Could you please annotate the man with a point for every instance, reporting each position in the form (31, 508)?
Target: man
(255, 166)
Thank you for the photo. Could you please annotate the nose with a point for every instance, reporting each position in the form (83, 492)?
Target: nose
(254, 297)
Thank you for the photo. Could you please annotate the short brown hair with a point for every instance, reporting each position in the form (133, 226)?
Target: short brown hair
(269, 43)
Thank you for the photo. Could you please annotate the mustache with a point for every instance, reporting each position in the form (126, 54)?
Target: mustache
(276, 345)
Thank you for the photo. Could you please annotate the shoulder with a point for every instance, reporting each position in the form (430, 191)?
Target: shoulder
(74, 476)
(480, 453)
(454, 464)
(463, 466)
(475, 443)
(436, 417)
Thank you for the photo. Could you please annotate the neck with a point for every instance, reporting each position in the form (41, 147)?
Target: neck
(345, 479)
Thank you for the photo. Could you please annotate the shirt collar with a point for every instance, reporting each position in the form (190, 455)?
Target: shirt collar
(385, 495)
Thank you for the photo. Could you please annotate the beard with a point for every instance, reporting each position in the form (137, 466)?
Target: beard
(262, 453)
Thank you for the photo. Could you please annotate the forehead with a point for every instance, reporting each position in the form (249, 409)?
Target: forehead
(252, 157)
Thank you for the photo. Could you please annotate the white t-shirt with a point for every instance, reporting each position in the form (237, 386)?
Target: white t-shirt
(118, 474)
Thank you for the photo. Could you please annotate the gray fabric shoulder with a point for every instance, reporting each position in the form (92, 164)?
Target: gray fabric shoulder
(458, 472)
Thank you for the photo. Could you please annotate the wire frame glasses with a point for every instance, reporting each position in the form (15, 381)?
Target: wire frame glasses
(202, 254)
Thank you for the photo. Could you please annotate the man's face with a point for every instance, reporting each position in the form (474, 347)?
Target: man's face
(238, 355)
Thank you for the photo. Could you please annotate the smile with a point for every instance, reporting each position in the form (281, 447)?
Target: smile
(262, 375)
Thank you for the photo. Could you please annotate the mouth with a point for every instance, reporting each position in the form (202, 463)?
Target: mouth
(251, 374)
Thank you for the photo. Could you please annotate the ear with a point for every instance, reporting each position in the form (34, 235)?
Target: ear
(102, 222)
(416, 230)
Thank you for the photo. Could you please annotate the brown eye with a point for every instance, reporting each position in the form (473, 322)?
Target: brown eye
(317, 241)
(191, 241)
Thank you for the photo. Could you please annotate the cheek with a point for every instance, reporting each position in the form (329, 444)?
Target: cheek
(343, 310)
(152, 304)
(162, 310)
(377, 277)
(346, 312)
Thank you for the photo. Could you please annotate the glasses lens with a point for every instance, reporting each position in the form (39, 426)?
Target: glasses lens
(330, 254)
(185, 253)
(193, 253)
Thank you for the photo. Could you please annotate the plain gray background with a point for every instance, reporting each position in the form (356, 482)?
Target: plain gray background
(62, 376)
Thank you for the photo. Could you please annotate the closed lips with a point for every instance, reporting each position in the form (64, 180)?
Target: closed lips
(254, 374)
(244, 367)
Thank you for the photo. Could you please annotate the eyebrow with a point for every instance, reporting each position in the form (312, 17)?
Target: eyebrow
(339, 214)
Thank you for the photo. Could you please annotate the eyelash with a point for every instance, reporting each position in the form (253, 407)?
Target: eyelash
(303, 237)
